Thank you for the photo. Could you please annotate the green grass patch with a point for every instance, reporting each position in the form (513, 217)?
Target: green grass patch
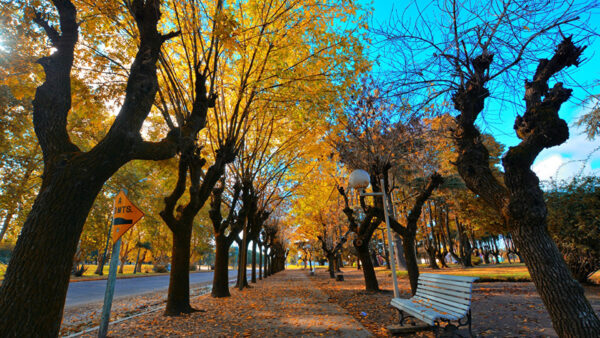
(485, 273)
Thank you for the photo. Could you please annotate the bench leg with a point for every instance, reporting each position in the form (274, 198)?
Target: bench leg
(436, 329)
(402, 317)
(469, 322)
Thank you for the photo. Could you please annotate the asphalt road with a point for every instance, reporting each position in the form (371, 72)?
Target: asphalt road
(93, 291)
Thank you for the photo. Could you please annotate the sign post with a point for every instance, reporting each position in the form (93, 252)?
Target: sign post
(125, 215)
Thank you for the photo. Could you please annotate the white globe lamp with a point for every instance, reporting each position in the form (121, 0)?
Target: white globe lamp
(359, 179)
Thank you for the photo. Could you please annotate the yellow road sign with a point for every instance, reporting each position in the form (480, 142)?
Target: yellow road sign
(125, 215)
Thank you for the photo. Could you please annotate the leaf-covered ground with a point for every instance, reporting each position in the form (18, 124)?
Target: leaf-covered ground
(286, 304)
(500, 309)
(292, 304)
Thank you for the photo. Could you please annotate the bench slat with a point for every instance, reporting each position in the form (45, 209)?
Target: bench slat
(465, 279)
(459, 297)
(464, 288)
(444, 308)
(440, 299)
(421, 312)
(458, 307)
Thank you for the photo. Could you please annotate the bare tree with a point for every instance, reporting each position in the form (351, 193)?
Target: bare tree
(488, 49)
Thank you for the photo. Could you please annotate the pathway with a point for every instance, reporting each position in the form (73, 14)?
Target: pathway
(283, 305)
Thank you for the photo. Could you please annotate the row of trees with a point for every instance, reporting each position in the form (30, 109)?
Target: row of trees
(455, 58)
(213, 92)
(236, 122)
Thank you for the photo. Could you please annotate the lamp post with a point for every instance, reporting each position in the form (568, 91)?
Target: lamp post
(359, 179)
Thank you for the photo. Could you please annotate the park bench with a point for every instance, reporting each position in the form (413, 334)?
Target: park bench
(439, 298)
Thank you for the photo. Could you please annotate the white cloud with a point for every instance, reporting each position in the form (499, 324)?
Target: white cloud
(560, 168)
(577, 155)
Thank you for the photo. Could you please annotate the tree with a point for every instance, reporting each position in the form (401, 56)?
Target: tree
(479, 59)
(573, 223)
(380, 137)
(255, 75)
(190, 101)
(330, 245)
(30, 301)
(225, 231)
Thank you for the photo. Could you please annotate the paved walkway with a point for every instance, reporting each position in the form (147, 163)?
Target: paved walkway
(283, 305)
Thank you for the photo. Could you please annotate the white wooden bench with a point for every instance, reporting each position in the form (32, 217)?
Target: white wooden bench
(439, 298)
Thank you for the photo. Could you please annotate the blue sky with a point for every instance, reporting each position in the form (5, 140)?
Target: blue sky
(562, 161)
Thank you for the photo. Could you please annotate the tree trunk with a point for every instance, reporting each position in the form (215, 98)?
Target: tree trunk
(221, 274)
(123, 258)
(100, 267)
(137, 260)
(267, 265)
(371, 283)
(430, 250)
(15, 203)
(331, 265)
(7, 218)
(260, 262)
(338, 263)
(242, 281)
(464, 247)
(178, 296)
(571, 313)
(385, 251)
(411, 263)
(32, 302)
(253, 262)
(141, 262)
(399, 250)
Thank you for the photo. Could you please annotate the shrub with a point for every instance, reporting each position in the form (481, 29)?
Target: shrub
(476, 260)
(79, 270)
(159, 268)
(5, 252)
(574, 224)
(192, 267)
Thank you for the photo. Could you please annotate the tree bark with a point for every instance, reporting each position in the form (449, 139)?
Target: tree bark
(371, 283)
(221, 274)
(7, 218)
(100, 267)
(411, 263)
(178, 296)
(399, 250)
(253, 261)
(242, 281)
(331, 265)
(123, 257)
(30, 302)
(464, 246)
(260, 262)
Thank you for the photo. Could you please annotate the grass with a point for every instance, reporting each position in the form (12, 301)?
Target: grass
(516, 272)
(89, 273)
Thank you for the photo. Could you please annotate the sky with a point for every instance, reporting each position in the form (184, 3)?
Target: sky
(571, 158)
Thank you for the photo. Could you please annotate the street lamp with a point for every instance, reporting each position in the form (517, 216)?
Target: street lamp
(359, 180)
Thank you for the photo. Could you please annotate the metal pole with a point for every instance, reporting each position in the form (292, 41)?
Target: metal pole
(110, 289)
(110, 284)
(391, 247)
